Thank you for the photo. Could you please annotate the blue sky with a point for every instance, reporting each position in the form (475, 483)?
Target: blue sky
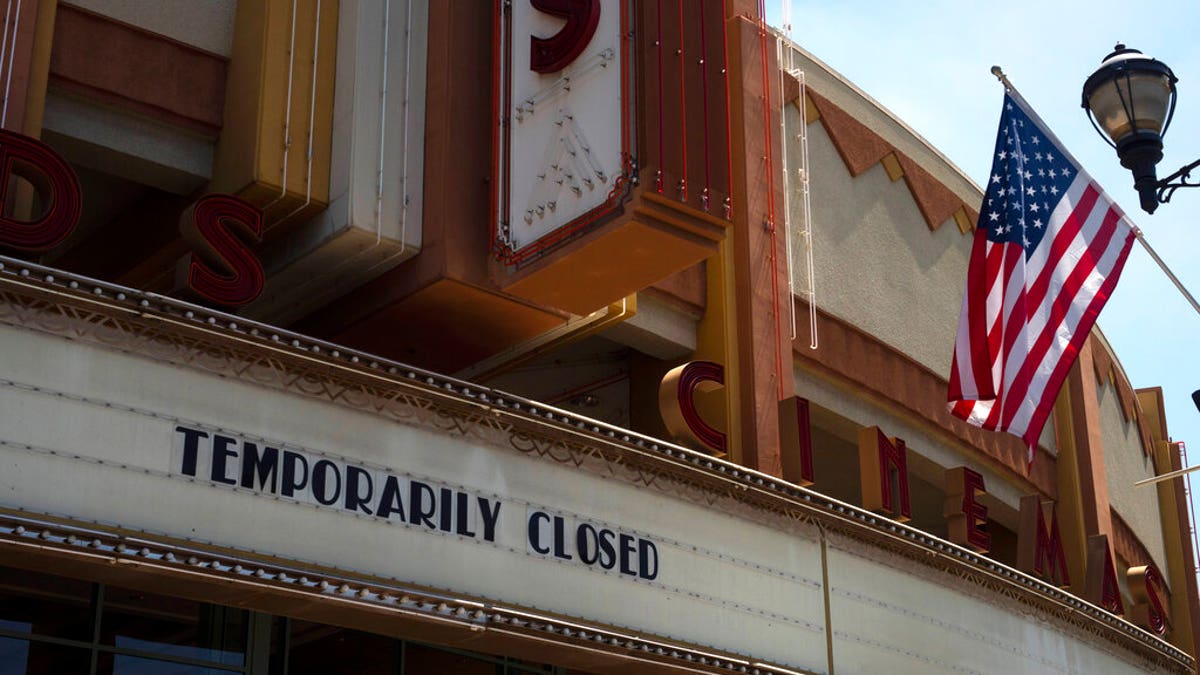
(928, 62)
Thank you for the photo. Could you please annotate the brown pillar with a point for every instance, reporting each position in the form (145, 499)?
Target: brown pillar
(763, 356)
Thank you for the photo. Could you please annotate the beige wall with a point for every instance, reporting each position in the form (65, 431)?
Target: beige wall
(1126, 464)
(877, 264)
(207, 24)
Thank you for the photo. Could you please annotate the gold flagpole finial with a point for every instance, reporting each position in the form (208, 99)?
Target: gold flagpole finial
(999, 73)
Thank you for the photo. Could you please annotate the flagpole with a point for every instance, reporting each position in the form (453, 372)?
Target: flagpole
(1137, 231)
(1167, 476)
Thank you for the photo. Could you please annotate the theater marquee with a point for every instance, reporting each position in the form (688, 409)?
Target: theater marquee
(174, 424)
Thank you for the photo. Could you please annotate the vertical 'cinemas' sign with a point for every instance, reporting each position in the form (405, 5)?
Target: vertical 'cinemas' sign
(222, 269)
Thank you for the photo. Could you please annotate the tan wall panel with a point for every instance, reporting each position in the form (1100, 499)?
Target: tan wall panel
(1127, 464)
(278, 106)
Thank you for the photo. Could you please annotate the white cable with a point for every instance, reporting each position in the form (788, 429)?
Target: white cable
(787, 201)
(4, 47)
(383, 91)
(312, 116)
(287, 115)
(405, 149)
(12, 51)
(807, 233)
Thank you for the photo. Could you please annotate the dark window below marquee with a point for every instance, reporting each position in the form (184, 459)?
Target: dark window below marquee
(51, 625)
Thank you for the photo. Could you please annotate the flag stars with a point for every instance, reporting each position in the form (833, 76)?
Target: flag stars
(1052, 174)
(1034, 207)
(1028, 175)
(993, 216)
(1053, 190)
(1003, 155)
(1037, 222)
(1036, 141)
(1029, 191)
(1049, 157)
(995, 178)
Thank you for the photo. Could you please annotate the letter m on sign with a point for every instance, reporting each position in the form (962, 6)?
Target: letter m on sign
(1040, 549)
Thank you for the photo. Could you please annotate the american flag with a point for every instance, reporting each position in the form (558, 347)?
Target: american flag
(1048, 249)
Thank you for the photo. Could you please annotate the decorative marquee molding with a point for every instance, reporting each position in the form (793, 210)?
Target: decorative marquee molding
(77, 308)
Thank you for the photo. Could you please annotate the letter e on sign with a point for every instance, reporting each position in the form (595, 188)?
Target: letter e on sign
(967, 518)
(224, 270)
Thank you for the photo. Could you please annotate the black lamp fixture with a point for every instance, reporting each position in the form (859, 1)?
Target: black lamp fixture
(1130, 100)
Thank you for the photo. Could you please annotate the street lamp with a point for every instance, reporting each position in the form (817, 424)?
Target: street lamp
(1130, 100)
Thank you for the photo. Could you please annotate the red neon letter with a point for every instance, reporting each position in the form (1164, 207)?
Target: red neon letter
(1040, 550)
(57, 187)
(552, 54)
(1145, 587)
(966, 516)
(677, 403)
(795, 435)
(880, 456)
(223, 270)
(1102, 587)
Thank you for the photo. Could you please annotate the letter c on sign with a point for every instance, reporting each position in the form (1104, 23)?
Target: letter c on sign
(677, 403)
(228, 273)
(57, 187)
(552, 54)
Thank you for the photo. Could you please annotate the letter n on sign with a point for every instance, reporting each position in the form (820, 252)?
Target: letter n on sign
(677, 404)
(883, 460)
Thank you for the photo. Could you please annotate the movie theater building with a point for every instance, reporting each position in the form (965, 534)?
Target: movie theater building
(526, 337)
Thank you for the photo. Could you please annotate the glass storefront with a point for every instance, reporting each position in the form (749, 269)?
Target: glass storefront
(52, 625)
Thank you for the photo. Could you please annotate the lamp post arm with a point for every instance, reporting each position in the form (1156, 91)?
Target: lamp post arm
(1167, 186)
